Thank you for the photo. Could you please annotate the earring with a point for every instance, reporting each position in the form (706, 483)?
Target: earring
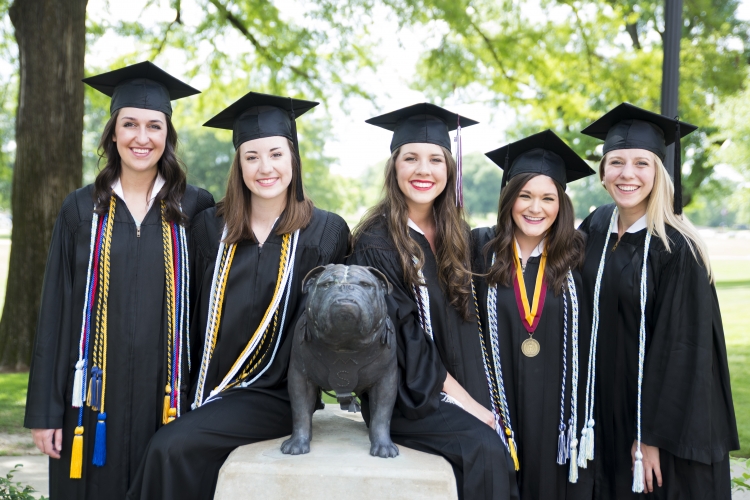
(602, 183)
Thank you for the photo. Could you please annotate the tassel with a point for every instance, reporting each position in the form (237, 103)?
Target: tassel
(78, 385)
(573, 474)
(571, 438)
(96, 390)
(165, 412)
(88, 391)
(582, 448)
(677, 171)
(172, 415)
(100, 441)
(590, 441)
(561, 449)
(512, 448)
(638, 473)
(76, 457)
(459, 166)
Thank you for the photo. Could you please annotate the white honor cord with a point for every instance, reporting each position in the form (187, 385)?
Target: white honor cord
(186, 295)
(586, 450)
(184, 305)
(638, 465)
(571, 444)
(208, 340)
(274, 306)
(79, 380)
(495, 345)
(422, 296)
(283, 315)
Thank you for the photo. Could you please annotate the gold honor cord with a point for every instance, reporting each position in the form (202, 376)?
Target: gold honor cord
(168, 413)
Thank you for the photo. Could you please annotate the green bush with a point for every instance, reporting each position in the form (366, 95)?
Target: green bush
(15, 491)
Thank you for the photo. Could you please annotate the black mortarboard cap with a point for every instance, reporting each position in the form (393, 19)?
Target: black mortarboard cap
(143, 85)
(544, 153)
(630, 127)
(257, 115)
(421, 123)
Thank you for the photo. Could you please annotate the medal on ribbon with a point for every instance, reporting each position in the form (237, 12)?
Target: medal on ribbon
(530, 315)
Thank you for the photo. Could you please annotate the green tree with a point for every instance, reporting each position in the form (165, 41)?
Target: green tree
(482, 180)
(562, 63)
(240, 44)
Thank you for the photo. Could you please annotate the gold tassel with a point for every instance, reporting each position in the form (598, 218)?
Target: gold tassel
(172, 414)
(512, 448)
(165, 414)
(76, 458)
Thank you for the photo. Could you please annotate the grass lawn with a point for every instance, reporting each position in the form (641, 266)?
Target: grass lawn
(12, 402)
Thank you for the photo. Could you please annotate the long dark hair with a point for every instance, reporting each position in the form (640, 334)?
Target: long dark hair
(235, 206)
(170, 167)
(564, 245)
(451, 238)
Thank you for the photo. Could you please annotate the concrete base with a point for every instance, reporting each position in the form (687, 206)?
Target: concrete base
(339, 466)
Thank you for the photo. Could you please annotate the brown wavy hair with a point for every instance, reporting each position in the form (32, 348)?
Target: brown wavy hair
(451, 237)
(170, 167)
(564, 245)
(235, 206)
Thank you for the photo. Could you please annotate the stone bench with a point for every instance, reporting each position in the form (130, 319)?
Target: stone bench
(339, 466)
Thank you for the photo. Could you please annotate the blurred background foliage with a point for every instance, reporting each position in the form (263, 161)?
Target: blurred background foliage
(554, 63)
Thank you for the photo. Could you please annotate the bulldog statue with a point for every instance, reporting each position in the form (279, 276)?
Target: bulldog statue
(345, 342)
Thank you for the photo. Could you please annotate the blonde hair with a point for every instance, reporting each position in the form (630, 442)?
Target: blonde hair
(660, 213)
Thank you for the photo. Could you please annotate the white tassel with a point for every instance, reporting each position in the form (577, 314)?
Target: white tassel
(590, 440)
(78, 385)
(582, 448)
(573, 475)
(638, 473)
(561, 448)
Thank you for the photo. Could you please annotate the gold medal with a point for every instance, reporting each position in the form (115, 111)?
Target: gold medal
(530, 347)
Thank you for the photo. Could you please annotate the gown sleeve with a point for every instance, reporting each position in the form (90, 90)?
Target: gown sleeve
(55, 333)
(422, 373)
(687, 399)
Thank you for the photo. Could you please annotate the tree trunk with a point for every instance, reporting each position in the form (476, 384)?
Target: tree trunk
(51, 36)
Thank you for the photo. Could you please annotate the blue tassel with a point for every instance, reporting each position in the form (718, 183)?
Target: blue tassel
(100, 441)
(96, 388)
(561, 446)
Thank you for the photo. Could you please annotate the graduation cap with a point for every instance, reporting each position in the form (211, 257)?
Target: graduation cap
(426, 123)
(143, 85)
(630, 127)
(544, 153)
(257, 115)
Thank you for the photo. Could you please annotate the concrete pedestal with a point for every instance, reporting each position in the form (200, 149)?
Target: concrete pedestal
(339, 466)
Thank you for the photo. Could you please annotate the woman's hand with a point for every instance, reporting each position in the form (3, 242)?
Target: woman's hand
(452, 388)
(651, 465)
(49, 441)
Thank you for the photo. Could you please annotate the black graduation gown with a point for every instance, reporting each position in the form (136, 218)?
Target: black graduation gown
(136, 355)
(532, 385)
(420, 420)
(184, 459)
(687, 401)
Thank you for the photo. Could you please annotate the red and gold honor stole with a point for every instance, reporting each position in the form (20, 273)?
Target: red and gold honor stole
(176, 274)
(530, 316)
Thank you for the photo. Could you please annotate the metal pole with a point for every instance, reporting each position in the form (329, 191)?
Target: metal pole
(670, 82)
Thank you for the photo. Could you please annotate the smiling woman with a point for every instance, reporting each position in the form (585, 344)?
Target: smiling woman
(528, 265)
(108, 368)
(417, 237)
